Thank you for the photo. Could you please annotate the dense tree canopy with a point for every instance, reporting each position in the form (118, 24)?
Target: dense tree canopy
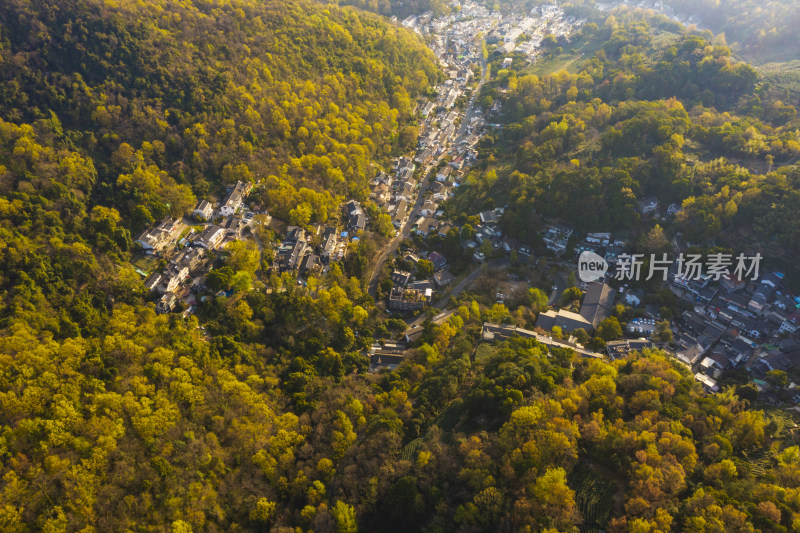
(652, 113)
(171, 97)
(257, 413)
(147, 422)
(761, 30)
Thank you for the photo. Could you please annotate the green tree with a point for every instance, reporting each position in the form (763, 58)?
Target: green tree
(300, 215)
(549, 42)
(663, 333)
(383, 225)
(262, 511)
(777, 378)
(241, 281)
(537, 298)
(424, 269)
(408, 137)
(345, 517)
(243, 255)
(220, 278)
(609, 329)
(581, 336)
(655, 241)
(556, 499)
(181, 526)
(467, 232)
(570, 295)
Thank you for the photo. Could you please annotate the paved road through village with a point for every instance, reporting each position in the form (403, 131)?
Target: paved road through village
(462, 286)
(425, 180)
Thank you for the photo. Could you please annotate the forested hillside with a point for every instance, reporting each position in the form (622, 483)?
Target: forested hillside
(146, 424)
(116, 116)
(763, 30)
(653, 112)
(171, 98)
(257, 414)
(113, 116)
(401, 10)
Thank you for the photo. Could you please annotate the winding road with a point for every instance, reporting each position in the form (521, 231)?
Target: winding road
(461, 287)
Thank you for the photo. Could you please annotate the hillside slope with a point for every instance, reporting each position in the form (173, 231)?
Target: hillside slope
(760, 30)
(657, 111)
(211, 92)
(259, 414)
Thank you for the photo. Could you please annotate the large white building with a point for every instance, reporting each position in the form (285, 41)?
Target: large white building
(203, 210)
(158, 237)
(211, 237)
(235, 199)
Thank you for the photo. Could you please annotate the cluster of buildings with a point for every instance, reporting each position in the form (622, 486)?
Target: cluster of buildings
(396, 193)
(458, 30)
(650, 207)
(604, 244)
(235, 198)
(438, 132)
(598, 304)
(522, 33)
(409, 294)
(489, 238)
(161, 236)
(733, 323)
(655, 5)
(298, 253)
(556, 236)
(444, 131)
(311, 251)
(511, 33)
(172, 282)
(455, 43)
(187, 250)
(294, 251)
(738, 324)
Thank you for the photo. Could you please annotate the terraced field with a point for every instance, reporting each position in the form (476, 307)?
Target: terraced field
(411, 449)
(594, 496)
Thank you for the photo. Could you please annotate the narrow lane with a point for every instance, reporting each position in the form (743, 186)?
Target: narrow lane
(425, 181)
